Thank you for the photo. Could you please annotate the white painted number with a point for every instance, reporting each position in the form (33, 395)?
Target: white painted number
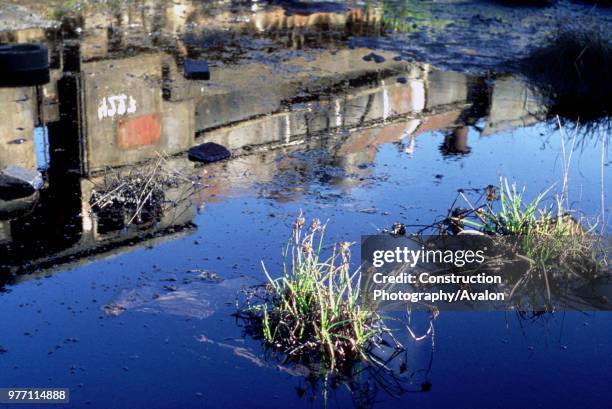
(114, 105)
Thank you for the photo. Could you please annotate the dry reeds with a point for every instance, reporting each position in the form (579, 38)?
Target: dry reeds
(137, 192)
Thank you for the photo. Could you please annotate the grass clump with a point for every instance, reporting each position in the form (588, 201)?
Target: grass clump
(312, 313)
(573, 74)
(515, 215)
(557, 250)
(545, 230)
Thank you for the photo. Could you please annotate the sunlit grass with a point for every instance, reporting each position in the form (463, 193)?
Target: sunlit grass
(311, 312)
(542, 231)
(517, 216)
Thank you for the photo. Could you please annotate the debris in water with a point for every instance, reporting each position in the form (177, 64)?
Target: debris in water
(209, 276)
(138, 194)
(398, 229)
(455, 222)
(208, 152)
(369, 210)
(113, 310)
(374, 57)
(196, 300)
(196, 69)
(491, 193)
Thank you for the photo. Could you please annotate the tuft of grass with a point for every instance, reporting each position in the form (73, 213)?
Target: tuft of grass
(514, 215)
(573, 74)
(557, 247)
(312, 313)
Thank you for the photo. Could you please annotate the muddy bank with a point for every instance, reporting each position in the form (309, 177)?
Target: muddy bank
(475, 36)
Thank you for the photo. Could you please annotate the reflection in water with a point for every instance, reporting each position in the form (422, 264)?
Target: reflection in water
(305, 116)
(117, 97)
(455, 143)
(572, 75)
(62, 229)
(390, 371)
(330, 140)
(105, 89)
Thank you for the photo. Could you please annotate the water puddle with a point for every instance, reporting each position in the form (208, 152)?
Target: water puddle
(125, 266)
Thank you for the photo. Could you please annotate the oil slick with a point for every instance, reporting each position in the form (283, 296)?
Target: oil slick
(198, 297)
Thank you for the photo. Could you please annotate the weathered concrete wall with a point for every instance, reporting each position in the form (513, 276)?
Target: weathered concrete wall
(445, 88)
(262, 166)
(513, 104)
(361, 106)
(95, 38)
(19, 113)
(277, 128)
(244, 91)
(127, 120)
(130, 111)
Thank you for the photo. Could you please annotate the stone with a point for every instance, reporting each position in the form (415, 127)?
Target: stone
(208, 152)
(374, 57)
(196, 69)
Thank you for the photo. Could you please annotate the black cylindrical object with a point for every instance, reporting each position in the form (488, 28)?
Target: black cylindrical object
(24, 65)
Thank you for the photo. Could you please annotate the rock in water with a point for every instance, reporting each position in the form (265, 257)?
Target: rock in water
(374, 57)
(208, 152)
(196, 70)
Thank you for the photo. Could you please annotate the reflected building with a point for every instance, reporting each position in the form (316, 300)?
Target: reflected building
(513, 104)
(118, 97)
